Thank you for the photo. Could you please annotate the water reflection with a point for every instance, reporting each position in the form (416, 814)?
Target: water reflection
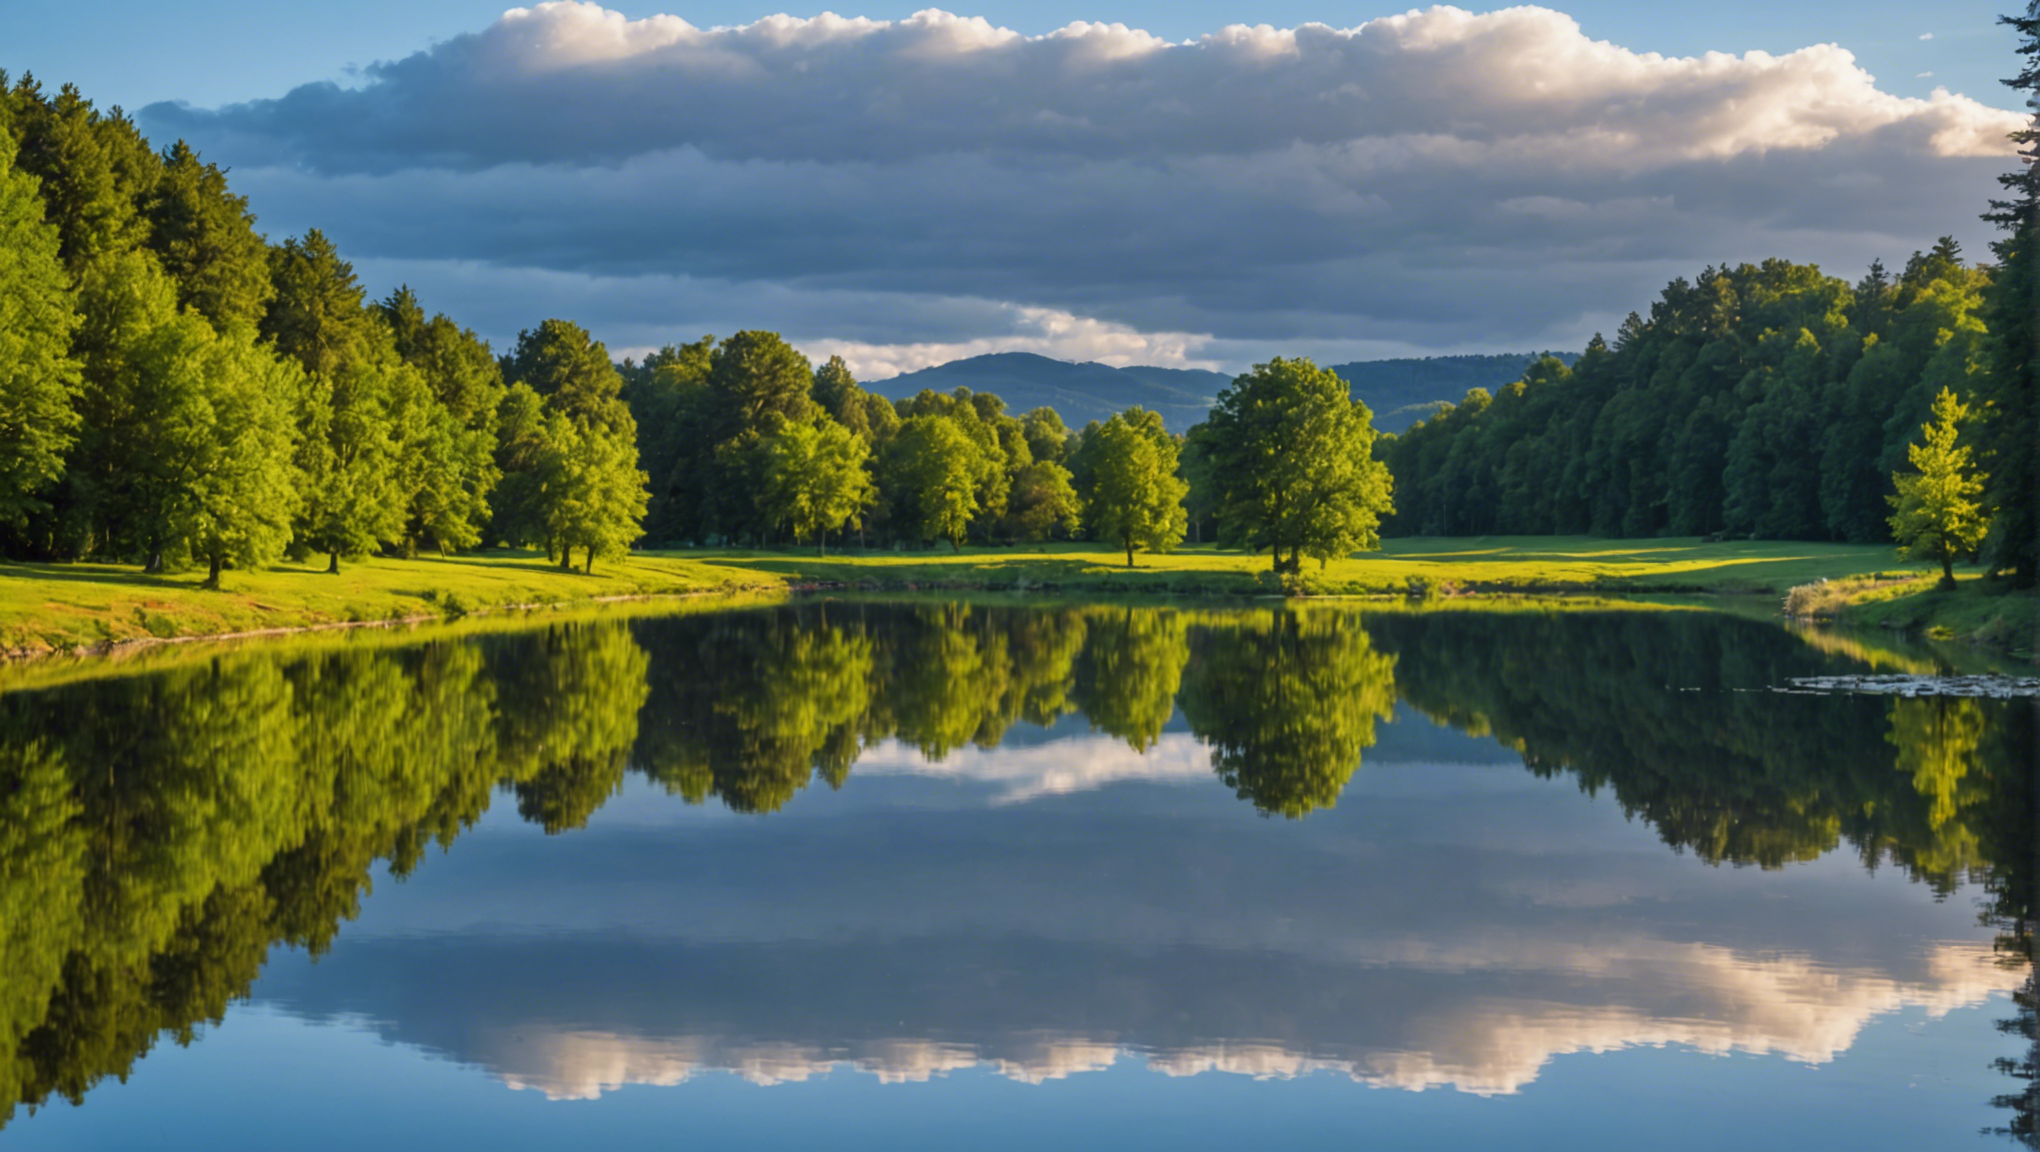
(162, 832)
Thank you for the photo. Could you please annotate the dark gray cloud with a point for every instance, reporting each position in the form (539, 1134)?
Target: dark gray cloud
(909, 190)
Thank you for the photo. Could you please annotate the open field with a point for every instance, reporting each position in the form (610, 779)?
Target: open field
(1485, 564)
(60, 607)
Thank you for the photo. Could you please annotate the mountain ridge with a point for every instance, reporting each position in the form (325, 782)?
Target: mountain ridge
(1398, 391)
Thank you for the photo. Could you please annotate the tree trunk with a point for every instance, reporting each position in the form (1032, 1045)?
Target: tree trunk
(1947, 573)
(333, 565)
(590, 569)
(154, 564)
(955, 546)
(1129, 553)
(212, 578)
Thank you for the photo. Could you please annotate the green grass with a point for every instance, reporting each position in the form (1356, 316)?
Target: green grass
(1446, 567)
(56, 607)
(61, 607)
(1976, 609)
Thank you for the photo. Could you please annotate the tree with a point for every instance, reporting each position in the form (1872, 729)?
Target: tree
(347, 455)
(238, 488)
(38, 378)
(932, 473)
(815, 480)
(1291, 455)
(755, 375)
(1136, 497)
(593, 494)
(571, 369)
(448, 432)
(205, 238)
(1043, 500)
(2009, 432)
(1938, 515)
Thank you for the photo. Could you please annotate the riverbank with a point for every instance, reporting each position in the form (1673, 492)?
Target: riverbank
(1977, 610)
(48, 608)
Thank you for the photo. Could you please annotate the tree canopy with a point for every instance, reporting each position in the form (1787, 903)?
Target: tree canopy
(1290, 454)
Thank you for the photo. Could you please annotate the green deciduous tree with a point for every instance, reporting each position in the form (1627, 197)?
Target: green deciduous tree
(1938, 515)
(815, 479)
(1042, 500)
(1136, 498)
(594, 495)
(932, 474)
(38, 378)
(1291, 454)
(448, 440)
(347, 447)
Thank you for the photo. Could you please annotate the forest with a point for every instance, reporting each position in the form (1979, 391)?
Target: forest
(179, 392)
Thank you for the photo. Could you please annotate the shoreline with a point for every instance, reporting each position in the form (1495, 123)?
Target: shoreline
(83, 610)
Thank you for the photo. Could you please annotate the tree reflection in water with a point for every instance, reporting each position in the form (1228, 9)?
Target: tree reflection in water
(159, 833)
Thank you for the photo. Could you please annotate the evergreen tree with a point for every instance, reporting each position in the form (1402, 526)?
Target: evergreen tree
(96, 169)
(2009, 431)
(572, 371)
(205, 238)
(447, 435)
(1938, 516)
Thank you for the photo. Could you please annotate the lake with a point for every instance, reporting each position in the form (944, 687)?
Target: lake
(997, 874)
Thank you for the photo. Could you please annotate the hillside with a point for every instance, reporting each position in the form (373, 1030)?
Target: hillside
(1400, 392)
(1079, 392)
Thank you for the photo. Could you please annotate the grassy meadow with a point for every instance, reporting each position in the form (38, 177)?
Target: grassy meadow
(63, 607)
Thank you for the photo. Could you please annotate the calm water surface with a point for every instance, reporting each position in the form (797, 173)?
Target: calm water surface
(946, 875)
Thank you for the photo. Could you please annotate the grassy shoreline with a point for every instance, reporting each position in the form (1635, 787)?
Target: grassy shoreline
(50, 608)
(1977, 610)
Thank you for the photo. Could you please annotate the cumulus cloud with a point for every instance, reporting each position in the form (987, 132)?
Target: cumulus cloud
(1438, 179)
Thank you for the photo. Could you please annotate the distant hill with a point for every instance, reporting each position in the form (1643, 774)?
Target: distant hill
(1079, 392)
(1400, 392)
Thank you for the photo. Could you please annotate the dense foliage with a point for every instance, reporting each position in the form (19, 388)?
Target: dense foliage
(175, 390)
(1766, 400)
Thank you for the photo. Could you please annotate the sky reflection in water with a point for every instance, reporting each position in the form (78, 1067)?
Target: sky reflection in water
(1010, 925)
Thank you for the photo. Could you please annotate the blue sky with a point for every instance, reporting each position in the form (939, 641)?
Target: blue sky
(924, 188)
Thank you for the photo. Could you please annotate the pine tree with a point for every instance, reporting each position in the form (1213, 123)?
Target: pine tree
(1938, 516)
(2009, 431)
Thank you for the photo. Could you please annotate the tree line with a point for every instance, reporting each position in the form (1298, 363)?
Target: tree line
(1774, 401)
(175, 390)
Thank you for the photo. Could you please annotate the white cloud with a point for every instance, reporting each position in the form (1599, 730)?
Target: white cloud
(1708, 999)
(907, 191)
(1047, 331)
(1926, 35)
(1056, 768)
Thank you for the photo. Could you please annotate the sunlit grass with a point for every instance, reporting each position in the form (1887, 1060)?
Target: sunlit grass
(47, 607)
